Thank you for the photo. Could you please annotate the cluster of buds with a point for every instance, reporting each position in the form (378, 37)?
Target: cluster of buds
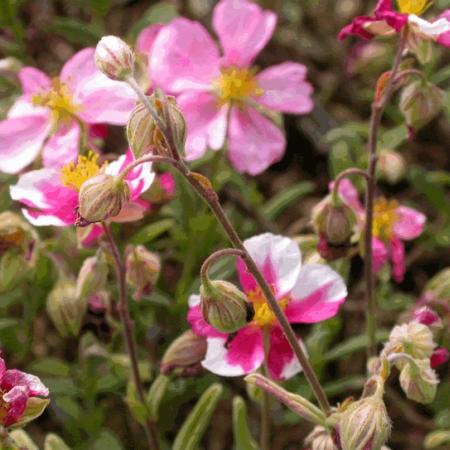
(18, 250)
(224, 306)
(143, 268)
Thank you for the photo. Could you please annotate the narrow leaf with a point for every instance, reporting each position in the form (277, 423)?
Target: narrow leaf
(243, 439)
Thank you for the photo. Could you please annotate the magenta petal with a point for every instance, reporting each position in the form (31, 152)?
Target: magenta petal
(246, 279)
(440, 356)
(16, 399)
(243, 29)
(444, 38)
(32, 383)
(410, 223)
(62, 147)
(255, 143)
(286, 89)
(380, 254)
(398, 259)
(245, 349)
(33, 81)
(198, 324)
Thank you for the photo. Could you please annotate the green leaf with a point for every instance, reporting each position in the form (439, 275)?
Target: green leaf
(138, 409)
(50, 367)
(156, 394)
(22, 440)
(152, 231)
(337, 387)
(54, 442)
(162, 12)
(243, 439)
(107, 440)
(76, 31)
(194, 427)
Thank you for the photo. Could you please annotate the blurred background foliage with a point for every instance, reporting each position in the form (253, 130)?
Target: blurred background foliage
(88, 376)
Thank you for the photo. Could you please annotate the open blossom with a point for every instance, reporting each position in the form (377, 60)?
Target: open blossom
(386, 21)
(392, 225)
(51, 195)
(47, 116)
(17, 388)
(222, 96)
(307, 293)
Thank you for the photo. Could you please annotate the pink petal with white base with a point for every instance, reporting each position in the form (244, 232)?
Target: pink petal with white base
(444, 38)
(398, 259)
(33, 81)
(206, 123)
(279, 259)
(243, 29)
(16, 399)
(285, 88)
(184, 57)
(24, 107)
(62, 147)
(198, 324)
(244, 354)
(410, 223)
(34, 385)
(317, 294)
(21, 140)
(255, 142)
(435, 31)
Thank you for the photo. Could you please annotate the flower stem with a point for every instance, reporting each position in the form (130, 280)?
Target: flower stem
(378, 108)
(345, 174)
(127, 324)
(215, 257)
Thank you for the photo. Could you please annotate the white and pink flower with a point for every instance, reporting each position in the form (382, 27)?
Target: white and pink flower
(388, 21)
(392, 225)
(307, 293)
(221, 96)
(51, 195)
(47, 117)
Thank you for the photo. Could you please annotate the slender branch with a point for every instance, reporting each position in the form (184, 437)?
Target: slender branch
(127, 324)
(215, 257)
(378, 108)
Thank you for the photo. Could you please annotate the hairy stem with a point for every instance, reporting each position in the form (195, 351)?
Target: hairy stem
(378, 108)
(127, 325)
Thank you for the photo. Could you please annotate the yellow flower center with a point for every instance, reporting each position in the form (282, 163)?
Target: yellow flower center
(416, 7)
(263, 314)
(74, 175)
(384, 218)
(236, 85)
(59, 100)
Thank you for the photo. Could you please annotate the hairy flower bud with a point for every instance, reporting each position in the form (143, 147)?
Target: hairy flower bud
(320, 439)
(365, 425)
(102, 197)
(114, 58)
(391, 166)
(92, 276)
(420, 102)
(143, 134)
(185, 354)
(224, 306)
(143, 270)
(419, 381)
(65, 309)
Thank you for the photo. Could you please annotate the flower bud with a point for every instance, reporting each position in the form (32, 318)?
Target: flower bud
(13, 270)
(320, 439)
(365, 424)
(142, 133)
(427, 316)
(439, 357)
(419, 381)
(224, 306)
(114, 58)
(65, 309)
(102, 197)
(391, 166)
(92, 276)
(420, 102)
(143, 270)
(436, 439)
(184, 353)
(439, 285)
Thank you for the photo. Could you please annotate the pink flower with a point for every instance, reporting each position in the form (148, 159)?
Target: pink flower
(51, 195)
(427, 316)
(392, 224)
(222, 97)
(386, 21)
(307, 293)
(48, 114)
(16, 388)
(440, 356)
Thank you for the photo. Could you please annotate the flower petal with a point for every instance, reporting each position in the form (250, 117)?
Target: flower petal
(198, 324)
(317, 294)
(146, 38)
(398, 259)
(62, 147)
(33, 80)
(410, 223)
(435, 31)
(243, 29)
(184, 57)
(241, 355)
(255, 142)
(380, 254)
(21, 139)
(444, 38)
(34, 385)
(16, 399)
(285, 88)
(279, 259)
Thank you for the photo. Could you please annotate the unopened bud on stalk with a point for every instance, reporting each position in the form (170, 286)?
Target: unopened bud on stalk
(114, 58)
(143, 270)
(185, 354)
(419, 381)
(439, 285)
(102, 197)
(391, 166)
(420, 102)
(65, 309)
(435, 439)
(427, 316)
(224, 306)
(440, 356)
(144, 135)
(92, 276)
(320, 439)
(365, 424)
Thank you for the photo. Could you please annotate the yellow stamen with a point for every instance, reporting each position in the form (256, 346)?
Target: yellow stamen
(384, 218)
(416, 7)
(236, 85)
(59, 100)
(74, 175)
(263, 314)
